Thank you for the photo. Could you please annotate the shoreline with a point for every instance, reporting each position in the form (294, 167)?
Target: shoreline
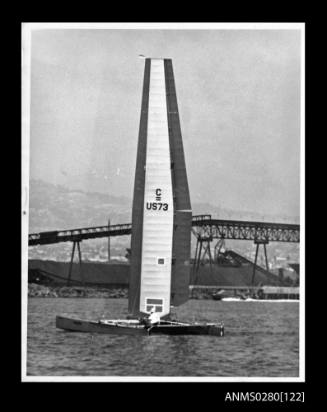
(42, 291)
(201, 293)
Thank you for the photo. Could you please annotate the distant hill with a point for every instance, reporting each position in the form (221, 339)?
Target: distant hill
(54, 207)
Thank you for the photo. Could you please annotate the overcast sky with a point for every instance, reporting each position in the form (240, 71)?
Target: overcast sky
(238, 94)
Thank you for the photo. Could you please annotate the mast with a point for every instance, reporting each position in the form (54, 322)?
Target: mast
(138, 199)
(182, 203)
(161, 217)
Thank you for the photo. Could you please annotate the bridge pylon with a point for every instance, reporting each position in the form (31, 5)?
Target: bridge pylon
(218, 247)
(259, 242)
(202, 249)
(75, 242)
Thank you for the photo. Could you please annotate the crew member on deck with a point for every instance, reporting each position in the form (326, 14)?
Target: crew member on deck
(154, 317)
(151, 320)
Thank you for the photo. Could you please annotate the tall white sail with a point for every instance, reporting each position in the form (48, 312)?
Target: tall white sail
(158, 215)
(162, 216)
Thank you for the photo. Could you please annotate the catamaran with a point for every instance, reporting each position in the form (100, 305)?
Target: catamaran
(161, 221)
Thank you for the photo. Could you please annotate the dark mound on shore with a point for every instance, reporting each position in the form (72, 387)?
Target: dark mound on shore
(40, 291)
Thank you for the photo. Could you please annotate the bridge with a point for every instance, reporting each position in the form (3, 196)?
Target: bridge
(203, 226)
(77, 235)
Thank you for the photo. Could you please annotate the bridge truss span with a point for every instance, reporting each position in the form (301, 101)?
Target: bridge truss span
(77, 235)
(244, 230)
(203, 226)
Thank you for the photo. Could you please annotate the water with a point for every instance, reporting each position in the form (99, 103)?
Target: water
(261, 339)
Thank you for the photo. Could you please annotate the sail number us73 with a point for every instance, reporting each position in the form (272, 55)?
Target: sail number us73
(157, 205)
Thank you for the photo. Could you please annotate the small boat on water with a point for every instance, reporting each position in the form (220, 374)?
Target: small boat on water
(248, 299)
(161, 222)
(238, 299)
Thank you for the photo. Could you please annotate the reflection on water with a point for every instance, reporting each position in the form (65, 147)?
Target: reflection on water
(262, 339)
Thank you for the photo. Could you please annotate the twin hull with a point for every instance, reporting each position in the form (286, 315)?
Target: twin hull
(134, 327)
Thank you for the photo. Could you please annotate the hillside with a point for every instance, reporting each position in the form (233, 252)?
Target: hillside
(54, 207)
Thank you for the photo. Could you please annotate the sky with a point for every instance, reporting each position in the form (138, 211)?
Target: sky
(238, 95)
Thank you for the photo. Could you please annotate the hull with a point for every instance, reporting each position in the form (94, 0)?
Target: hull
(190, 329)
(117, 327)
(134, 327)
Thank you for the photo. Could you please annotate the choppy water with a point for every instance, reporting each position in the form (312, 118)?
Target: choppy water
(261, 339)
